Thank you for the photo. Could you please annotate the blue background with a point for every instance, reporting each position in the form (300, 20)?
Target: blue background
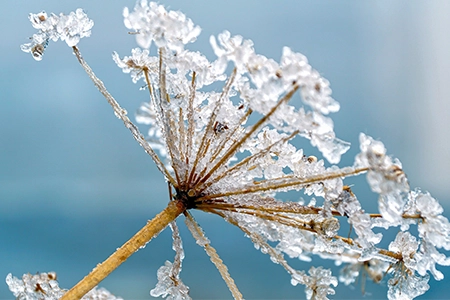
(74, 185)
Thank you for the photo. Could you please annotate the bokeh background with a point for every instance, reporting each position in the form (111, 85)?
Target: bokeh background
(74, 185)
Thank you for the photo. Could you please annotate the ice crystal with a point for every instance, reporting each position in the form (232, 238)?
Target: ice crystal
(168, 286)
(406, 245)
(169, 283)
(407, 286)
(153, 23)
(45, 286)
(38, 286)
(232, 151)
(375, 270)
(318, 284)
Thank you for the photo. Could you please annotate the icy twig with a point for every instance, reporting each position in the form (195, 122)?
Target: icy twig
(139, 240)
(122, 114)
(169, 283)
(199, 236)
(286, 182)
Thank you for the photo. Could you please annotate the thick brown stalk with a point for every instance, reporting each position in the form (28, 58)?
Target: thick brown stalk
(140, 239)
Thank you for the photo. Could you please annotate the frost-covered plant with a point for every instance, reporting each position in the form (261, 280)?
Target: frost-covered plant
(230, 152)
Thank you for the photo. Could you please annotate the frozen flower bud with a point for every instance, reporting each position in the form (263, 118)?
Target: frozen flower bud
(385, 174)
(74, 26)
(406, 245)
(70, 28)
(152, 22)
(136, 63)
(435, 228)
(318, 284)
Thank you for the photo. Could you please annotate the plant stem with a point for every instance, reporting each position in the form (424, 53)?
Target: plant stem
(140, 239)
(122, 114)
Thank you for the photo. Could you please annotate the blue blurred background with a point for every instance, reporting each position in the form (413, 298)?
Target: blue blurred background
(74, 185)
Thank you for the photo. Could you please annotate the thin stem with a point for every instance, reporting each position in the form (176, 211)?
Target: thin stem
(198, 234)
(206, 139)
(405, 216)
(140, 239)
(257, 239)
(244, 162)
(181, 136)
(177, 246)
(150, 86)
(229, 137)
(282, 207)
(295, 223)
(166, 118)
(280, 183)
(190, 126)
(122, 114)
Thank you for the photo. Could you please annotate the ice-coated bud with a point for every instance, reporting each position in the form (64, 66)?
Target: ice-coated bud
(153, 23)
(318, 284)
(69, 28)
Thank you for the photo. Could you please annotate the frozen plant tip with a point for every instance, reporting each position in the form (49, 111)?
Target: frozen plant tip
(70, 28)
(232, 152)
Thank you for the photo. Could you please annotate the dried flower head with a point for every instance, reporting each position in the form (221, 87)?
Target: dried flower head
(231, 151)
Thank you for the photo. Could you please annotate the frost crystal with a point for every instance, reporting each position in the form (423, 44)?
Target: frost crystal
(319, 283)
(405, 286)
(45, 286)
(167, 286)
(435, 228)
(70, 28)
(169, 283)
(406, 245)
(153, 23)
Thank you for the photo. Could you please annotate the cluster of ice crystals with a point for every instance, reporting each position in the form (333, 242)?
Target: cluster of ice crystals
(407, 286)
(374, 269)
(167, 286)
(69, 28)
(385, 174)
(38, 286)
(193, 118)
(169, 283)
(100, 294)
(348, 205)
(406, 245)
(385, 177)
(434, 232)
(318, 284)
(435, 228)
(134, 64)
(45, 286)
(272, 80)
(152, 22)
